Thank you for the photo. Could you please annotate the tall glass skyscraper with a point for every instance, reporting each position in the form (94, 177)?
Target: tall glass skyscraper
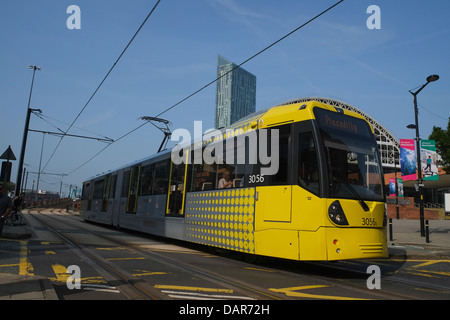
(235, 94)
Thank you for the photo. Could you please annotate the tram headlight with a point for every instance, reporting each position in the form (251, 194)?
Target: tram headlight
(336, 214)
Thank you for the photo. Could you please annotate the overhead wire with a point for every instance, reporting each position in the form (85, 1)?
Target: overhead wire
(45, 117)
(104, 79)
(107, 146)
(434, 114)
(215, 80)
(251, 58)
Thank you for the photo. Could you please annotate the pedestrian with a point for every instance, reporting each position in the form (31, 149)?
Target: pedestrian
(6, 207)
(17, 201)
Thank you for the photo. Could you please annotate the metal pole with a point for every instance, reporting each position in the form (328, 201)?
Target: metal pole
(25, 135)
(391, 236)
(396, 190)
(40, 161)
(431, 78)
(419, 166)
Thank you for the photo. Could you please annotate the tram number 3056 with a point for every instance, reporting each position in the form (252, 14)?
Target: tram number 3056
(369, 222)
(255, 178)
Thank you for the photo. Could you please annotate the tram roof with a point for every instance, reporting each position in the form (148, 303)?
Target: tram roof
(387, 143)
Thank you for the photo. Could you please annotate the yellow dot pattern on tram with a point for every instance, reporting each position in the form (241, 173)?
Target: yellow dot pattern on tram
(222, 218)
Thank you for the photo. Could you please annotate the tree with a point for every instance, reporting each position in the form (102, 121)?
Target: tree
(442, 138)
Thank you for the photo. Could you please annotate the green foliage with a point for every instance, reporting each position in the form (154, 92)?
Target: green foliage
(442, 138)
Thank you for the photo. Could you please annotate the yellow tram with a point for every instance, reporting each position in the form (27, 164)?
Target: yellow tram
(303, 182)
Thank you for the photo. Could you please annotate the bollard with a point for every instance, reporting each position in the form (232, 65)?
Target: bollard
(427, 232)
(391, 237)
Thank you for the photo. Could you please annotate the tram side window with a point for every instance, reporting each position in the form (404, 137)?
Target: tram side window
(160, 182)
(112, 187)
(308, 170)
(98, 189)
(203, 177)
(146, 179)
(234, 173)
(87, 195)
(86, 191)
(126, 183)
(281, 177)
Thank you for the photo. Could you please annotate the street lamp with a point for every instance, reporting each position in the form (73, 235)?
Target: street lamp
(430, 78)
(25, 133)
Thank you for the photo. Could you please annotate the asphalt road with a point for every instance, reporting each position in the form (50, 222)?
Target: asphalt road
(91, 262)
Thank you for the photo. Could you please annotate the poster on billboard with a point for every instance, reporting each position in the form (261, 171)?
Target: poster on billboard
(392, 187)
(428, 160)
(400, 187)
(408, 159)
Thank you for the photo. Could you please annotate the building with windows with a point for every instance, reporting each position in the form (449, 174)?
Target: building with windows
(235, 94)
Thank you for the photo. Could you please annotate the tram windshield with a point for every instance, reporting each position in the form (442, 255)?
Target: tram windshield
(352, 156)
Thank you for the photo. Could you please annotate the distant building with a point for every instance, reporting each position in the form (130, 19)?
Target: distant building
(235, 94)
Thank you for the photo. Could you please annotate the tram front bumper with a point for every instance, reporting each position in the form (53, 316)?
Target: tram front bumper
(356, 243)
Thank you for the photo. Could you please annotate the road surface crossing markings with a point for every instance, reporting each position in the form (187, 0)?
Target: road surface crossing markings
(198, 293)
(146, 273)
(430, 262)
(25, 267)
(111, 248)
(427, 273)
(62, 276)
(297, 292)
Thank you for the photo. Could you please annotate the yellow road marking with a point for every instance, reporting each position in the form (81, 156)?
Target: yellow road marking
(436, 272)
(422, 275)
(62, 276)
(60, 272)
(93, 280)
(147, 273)
(159, 286)
(416, 260)
(9, 265)
(430, 262)
(25, 268)
(294, 292)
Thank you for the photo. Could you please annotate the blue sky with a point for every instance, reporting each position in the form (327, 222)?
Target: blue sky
(175, 54)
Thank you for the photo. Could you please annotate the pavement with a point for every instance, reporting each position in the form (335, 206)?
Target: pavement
(407, 243)
(23, 287)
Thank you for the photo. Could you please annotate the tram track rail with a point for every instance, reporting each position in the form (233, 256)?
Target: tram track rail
(139, 288)
(110, 270)
(129, 287)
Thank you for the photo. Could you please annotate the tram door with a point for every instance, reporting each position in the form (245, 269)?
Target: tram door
(177, 189)
(133, 189)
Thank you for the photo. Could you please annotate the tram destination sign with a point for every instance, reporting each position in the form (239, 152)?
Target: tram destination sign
(340, 122)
